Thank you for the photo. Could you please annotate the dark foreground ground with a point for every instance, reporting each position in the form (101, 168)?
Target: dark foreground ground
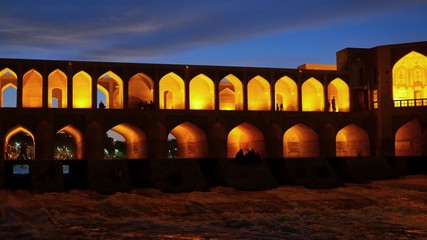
(389, 209)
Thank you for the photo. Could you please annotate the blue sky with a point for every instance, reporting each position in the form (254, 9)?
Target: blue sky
(260, 33)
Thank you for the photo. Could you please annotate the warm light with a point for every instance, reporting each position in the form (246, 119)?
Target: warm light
(171, 92)
(78, 139)
(191, 141)
(286, 93)
(14, 131)
(339, 89)
(230, 93)
(202, 93)
(245, 137)
(82, 90)
(352, 141)
(300, 141)
(32, 88)
(408, 139)
(57, 88)
(140, 89)
(112, 86)
(136, 140)
(259, 94)
(312, 95)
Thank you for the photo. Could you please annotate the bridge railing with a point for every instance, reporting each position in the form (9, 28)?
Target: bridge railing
(420, 102)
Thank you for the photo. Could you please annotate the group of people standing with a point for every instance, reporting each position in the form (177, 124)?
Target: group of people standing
(330, 104)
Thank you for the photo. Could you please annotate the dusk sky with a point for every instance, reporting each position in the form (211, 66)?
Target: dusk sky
(260, 33)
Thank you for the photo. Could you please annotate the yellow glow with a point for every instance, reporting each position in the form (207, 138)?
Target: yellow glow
(82, 90)
(202, 93)
(408, 139)
(287, 93)
(192, 141)
(136, 140)
(339, 89)
(230, 93)
(300, 141)
(14, 131)
(352, 141)
(409, 78)
(259, 94)
(140, 89)
(32, 88)
(57, 88)
(312, 95)
(78, 139)
(171, 92)
(7, 79)
(245, 137)
(112, 86)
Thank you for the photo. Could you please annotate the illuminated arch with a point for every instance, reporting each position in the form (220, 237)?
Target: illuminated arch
(286, 91)
(245, 137)
(259, 94)
(202, 93)
(8, 80)
(77, 136)
(408, 139)
(112, 86)
(171, 92)
(230, 93)
(338, 89)
(8, 147)
(82, 90)
(312, 95)
(32, 89)
(191, 140)
(57, 88)
(140, 89)
(410, 78)
(352, 141)
(300, 141)
(135, 138)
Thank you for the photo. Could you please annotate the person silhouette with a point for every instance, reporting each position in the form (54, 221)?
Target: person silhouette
(328, 106)
(334, 107)
(101, 105)
(23, 152)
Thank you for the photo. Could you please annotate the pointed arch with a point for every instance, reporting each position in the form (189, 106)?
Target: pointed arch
(286, 91)
(338, 90)
(300, 141)
(230, 93)
(32, 89)
(191, 140)
(246, 137)
(135, 138)
(259, 94)
(112, 86)
(171, 92)
(410, 80)
(82, 90)
(312, 96)
(408, 139)
(352, 141)
(11, 148)
(77, 138)
(202, 93)
(140, 89)
(57, 88)
(8, 80)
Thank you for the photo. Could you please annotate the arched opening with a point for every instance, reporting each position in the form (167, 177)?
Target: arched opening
(171, 92)
(312, 96)
(408, 139)
(286, 94)
(57, 89)
(352, 141)
(202, 93)
(8, 84)
(191, 141)
(114, 145)
(230, 93)
(338, 90)
(410, 80)
(32, 89)
(140, 91)
(131, 142)
(82, 90)
(112, 86)
(68, 143)
(259, 94)
(245, 137)
(19, 144)
(300, 141)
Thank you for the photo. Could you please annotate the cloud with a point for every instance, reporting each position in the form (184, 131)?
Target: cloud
(114, 30)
